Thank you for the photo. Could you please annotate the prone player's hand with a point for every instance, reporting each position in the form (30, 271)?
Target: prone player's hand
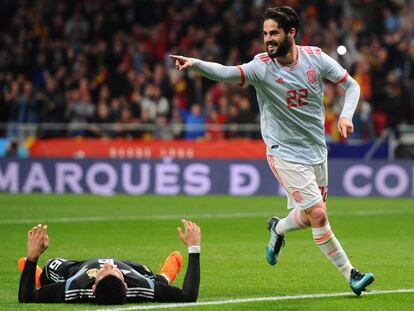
(37, 242)
(181, 62)
(345, 127)
(191, 236)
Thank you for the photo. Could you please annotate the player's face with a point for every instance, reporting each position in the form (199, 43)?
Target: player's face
(108, 269)
(278, 43)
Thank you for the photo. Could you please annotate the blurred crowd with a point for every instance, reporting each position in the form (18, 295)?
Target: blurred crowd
(101, 67)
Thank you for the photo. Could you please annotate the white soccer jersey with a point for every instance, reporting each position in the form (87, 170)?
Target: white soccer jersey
(290, 100)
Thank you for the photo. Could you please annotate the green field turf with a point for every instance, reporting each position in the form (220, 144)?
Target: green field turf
(377, 234)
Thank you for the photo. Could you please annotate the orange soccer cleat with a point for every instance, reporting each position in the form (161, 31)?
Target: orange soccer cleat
(172, 266)
(22, 262)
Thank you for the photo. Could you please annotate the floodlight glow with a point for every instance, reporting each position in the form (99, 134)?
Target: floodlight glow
(341, 50)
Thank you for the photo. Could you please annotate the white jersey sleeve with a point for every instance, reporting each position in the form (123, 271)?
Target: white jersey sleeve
(254, 71)
(216, 71)
(251, 72)
(334, 72)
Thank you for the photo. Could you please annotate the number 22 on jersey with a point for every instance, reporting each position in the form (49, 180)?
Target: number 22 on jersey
(295, 98)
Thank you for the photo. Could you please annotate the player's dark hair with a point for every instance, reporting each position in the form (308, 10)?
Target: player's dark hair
(285, 16)
(110, 290)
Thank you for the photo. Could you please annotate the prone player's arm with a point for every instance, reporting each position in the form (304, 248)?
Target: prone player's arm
(37, 243)
(28, 292)
(191, 237)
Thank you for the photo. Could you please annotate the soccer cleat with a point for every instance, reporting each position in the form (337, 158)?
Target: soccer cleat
(22, 262)
(172, 266)
(276, 242)
(359, 281)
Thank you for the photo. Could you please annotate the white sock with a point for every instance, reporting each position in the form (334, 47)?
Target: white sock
(291, 222)
(331, 247)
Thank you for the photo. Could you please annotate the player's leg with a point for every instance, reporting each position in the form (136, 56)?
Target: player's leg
(295, 220)
(327, 241)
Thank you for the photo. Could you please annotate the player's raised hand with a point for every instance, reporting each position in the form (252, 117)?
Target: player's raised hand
(37, 242)
(181, 62)
(191, 236)
(345, 127)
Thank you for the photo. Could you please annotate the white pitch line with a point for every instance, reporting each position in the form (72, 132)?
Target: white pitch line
(194, 216)
(179, 216)
(129, 218)
(247, 300)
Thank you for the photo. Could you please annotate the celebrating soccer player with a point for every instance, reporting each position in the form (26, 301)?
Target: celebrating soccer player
(288, 82)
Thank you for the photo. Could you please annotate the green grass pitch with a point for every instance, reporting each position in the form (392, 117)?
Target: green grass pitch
(376, 233)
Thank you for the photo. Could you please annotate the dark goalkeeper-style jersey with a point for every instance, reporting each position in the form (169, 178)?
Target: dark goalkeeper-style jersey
(71, 281)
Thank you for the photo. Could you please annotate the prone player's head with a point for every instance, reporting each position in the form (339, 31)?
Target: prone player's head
(280, 27)
(110, 287)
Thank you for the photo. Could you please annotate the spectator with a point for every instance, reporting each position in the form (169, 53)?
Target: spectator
(52, 108)
(24, 109)
(163, 129)
(194, 123)
(214, 126)
(12, 150)
(101, 120)
(79, 112)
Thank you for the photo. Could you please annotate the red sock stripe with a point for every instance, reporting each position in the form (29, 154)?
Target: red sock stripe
(325, 238)
(296, 218)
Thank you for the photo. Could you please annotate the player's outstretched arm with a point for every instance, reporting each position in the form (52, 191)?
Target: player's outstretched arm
(181, 62)
(213, 71)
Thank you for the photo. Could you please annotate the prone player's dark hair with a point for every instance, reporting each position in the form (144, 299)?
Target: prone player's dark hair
(110, 290)
(285, 16)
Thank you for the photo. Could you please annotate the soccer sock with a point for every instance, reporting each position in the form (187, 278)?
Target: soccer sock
(291, 222)
(331, 247)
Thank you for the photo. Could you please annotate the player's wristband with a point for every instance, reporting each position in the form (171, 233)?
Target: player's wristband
(194, 249)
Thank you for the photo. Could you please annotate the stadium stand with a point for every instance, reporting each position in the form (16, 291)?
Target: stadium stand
(101, 68)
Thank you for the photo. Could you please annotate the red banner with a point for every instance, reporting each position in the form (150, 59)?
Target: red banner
(139, 149)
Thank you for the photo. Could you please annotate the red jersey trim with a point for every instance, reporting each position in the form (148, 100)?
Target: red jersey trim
(264, 58)
(343, 78)
(242, 76)
(310, 50)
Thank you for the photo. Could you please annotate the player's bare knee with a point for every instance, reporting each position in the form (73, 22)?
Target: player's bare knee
(317, 215)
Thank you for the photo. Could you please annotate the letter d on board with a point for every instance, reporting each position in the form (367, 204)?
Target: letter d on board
(244, 179)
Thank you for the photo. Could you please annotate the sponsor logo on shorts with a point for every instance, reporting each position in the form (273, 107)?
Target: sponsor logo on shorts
(297, 196)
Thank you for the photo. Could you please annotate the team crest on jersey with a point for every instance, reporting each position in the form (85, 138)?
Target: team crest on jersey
(312, 76)
(92, 273)
(280, 80)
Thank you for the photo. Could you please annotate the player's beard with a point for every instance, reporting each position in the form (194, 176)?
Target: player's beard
(282, 48)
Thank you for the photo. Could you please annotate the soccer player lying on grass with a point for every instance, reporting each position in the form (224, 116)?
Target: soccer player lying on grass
(106, 280)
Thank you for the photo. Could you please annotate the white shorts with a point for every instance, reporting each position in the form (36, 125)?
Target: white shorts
(305, 185)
